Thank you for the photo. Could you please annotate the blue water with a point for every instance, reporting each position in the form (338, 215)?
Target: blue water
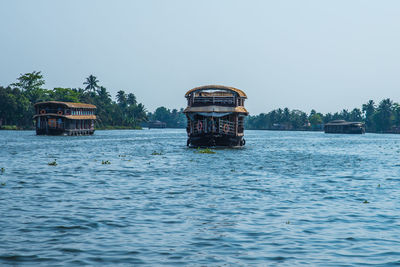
(287, 198)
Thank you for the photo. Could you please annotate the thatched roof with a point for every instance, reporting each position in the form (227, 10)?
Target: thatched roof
(217, 87)
(71, 117)
(343, 122)
(217, 109)
(67, 104)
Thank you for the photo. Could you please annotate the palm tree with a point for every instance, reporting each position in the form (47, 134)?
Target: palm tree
(103, 95)
(91, 83)
(131, 100)
(121, 97)
(383, 116)
(369, 110)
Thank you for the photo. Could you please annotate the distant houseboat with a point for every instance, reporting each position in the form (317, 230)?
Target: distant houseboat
(156, 124)
(345, 127)
(215, 116)
(64, 118)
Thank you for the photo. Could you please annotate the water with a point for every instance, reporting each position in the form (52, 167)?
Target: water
(287, 198)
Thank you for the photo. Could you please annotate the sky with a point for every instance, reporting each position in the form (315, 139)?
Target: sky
(323, 55)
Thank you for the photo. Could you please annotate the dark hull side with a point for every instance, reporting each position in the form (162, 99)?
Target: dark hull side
(353, 131)
(209, 140)
(63, 132)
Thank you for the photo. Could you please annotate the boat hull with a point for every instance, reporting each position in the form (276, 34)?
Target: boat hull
(210, 140)
(346, 131)
(63, 132)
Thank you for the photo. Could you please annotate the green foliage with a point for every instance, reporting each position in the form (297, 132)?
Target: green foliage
(53, 163)
(9, 127)
(64, 94)
(279, 120)
(31, 86)
(106, 162)
(91, 83)
(384, 118)
(156, 153)
(205, 151)
(173, 119)
(315, 119)
(16, 103)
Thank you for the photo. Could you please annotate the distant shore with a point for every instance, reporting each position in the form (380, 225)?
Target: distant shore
(17, 128)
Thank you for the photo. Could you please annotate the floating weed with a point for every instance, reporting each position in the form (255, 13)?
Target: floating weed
(156, 153)
(233, 170)
(365, 202)
(205, 151)
(122, 156)
(105, 162)
(379, 185)
(287, 222)
(2, 170)
(3, 184)
(53, 163)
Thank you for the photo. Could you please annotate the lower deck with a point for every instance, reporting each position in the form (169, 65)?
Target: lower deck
(210, 131)
(53, 125)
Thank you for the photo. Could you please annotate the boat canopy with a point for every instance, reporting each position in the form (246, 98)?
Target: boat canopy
(239, 92)
(67, 104)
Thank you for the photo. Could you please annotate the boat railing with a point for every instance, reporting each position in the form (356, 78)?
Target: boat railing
(50, 110)
(199, 126)
(216, 126)
(210, 100)
(227, 127)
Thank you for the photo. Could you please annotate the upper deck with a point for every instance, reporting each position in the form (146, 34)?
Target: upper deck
(215, 95)
(68, 110)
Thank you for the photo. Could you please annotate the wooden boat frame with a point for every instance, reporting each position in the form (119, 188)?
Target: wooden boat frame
(64, 118)
(215, 115)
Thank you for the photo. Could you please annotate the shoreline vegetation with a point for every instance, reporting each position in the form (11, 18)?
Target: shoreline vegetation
(378, 118)
(17, 99)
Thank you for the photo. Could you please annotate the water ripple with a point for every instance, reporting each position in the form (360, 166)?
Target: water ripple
(286, 199)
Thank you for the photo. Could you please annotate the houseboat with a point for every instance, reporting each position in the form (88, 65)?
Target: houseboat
(156, 124)
(344, 127)
(64, 118)
(215, 116)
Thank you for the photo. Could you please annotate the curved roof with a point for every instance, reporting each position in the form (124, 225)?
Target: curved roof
(68, 104)
(343, 122)
(217, 87)
(71, 117)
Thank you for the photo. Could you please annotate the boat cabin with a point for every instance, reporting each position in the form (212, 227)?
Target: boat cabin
(64, 118)
(344, 127)
(156, 124)
(215, 115)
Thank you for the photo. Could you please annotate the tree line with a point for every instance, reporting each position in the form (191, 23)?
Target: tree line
(383, 117)
(173, 118)
(17, 100)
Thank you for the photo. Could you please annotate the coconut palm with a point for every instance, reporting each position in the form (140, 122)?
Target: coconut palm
(369, 110)
(131, 99)
(383, 117)
(91, 83)
(121, 98)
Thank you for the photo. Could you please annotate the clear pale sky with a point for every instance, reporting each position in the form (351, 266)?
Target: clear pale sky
(326, 55)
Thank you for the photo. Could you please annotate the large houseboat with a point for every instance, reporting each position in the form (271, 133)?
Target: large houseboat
(344, 127)
(215, 116)
(64, 118)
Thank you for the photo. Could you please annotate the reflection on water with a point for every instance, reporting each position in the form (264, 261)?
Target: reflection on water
(287, 198)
